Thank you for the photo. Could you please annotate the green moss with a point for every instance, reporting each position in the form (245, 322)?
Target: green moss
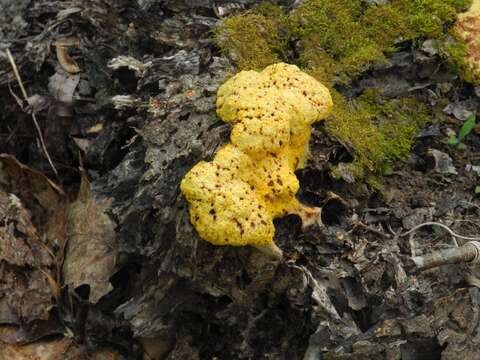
(386, 25)
(249, 40)
(379, 132)
(326, 16)
(346, 36)
(252, 40)
(318, 63)
(334, 26)
(455, 51)
(270, 10)
(356, 37)
(426, 17)
(335, 41)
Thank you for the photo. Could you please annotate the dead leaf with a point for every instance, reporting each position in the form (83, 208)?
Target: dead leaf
(23, 289)
(31, 227)
(42, 197)
(19, 241)
(60, 349)
(82, 144)
(32, 297)
(36, 330)
(54, 285)
(95, 129)
(62, 87)
(92, 245)
(14, 168)
(38, 103)
(63, 57)
(7, 314)
(443, 163)
(130, 63)
(157, 347)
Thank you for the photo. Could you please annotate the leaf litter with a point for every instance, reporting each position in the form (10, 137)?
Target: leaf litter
(113, 262)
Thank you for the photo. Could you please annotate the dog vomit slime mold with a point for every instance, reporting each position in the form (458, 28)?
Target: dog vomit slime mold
(235, 197)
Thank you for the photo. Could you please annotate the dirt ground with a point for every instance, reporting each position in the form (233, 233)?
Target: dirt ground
(98, 258)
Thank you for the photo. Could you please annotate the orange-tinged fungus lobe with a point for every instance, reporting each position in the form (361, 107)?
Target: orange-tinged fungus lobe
(467, 28)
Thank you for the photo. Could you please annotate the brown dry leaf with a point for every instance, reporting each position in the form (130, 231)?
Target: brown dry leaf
(42, 197)
(92, 245)
(157, 347)
(28, 293)
(24, 290)
(95, 129)
(16, 169)
(20, 244)
(82, 144)
(7, 314)
(62, 349)
(63, 57)
(34, 331)
(31, 226)
(62, 87)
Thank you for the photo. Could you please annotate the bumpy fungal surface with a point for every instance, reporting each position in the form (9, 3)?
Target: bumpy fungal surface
(235, 197)
(467, 28)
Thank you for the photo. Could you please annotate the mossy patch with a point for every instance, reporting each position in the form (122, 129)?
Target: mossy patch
(379, 131)
(334, 28)
(335, 41)
(346, 36)
(455, 50)
(253, 40)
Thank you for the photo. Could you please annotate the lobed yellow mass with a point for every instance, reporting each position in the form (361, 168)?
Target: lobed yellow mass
(235, 197)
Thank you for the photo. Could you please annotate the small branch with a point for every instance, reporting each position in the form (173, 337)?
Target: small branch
(17, 74)
(360, 224)
(470, 252)
(25, 96)
(467, 253)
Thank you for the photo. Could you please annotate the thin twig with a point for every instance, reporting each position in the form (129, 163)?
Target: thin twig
(467, 253)
(25, 96)
(431, 223)
(17, 74)
(358, 223)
